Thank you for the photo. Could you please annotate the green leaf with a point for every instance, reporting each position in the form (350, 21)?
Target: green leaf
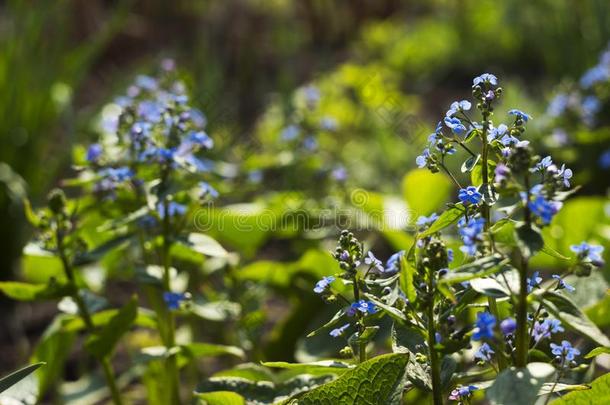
(32, 292)
(265, 392)
(519, 386)
(388, 309)
(489, 287)
(448, 367)
(547, 388)
(324, 367)
(102, 343)
(425, 192)
(470, 163)
(218, 311)
(16, 376)
(333, 321)
(568, 312)
(220, 398)
(528, 239)
(476, 269)
(600, 313)
(407, 274)
(598, 394)
(409, 340)
(100, 251)
(200, 350)
(206, 245)
(447, 218)
(39, 265)
(476, 175)
(504, 232)
(53, 348)
(598, 351)
(376, 381)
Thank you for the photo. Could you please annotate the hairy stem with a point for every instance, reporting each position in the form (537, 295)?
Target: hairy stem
(361, 326)
(170, 339)
(434, 362)
(486, 213)
(84, 312)
(522, 341)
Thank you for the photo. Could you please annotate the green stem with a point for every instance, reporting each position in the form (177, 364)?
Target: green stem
(84, 312)
(170, 340)
(486, 212)
(361, 326)
(435, 368)
(522, 341)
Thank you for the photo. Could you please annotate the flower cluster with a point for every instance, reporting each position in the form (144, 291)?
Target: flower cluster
(584, 103)
(154, 127)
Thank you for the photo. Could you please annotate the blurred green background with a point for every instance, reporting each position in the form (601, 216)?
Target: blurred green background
(385, 71)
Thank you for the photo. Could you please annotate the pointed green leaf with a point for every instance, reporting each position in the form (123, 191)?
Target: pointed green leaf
(447, 218)
(16, 376)
(103, 343)
(220, 398)
(376, 381)
(598, 394)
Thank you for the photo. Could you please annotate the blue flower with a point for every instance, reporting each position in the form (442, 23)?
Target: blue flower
(564, 175)
(458, 106)
(310, 143)
(471, 233)
(312, 95)
(592, 253)
(508, 326)
(94, 152)
(520, 114)
(455, 124)
(151, 111)
(200, 138)
(339, 331)
(470, 195)
(590, 106)
(323, 284)
(484, 353)
(484, 326)
(561, 284)
(534, 281)
(206, 190)
(173, 300)
(393, 263)
(546, 328)
(558, 105)
(508, 140)
(461, 393)
(290, 133)
(541, 207)
(339, 173)
(373, 262)
(501, 173)
(594, 75)
(497, 133)
(449, 255)
(146, 82)
(604, 160)
(422, 160)
(366, 307)
(565, 351)
(424, 221)
(173, 209)
(486, 78)
(328, 124)
(544, 164)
